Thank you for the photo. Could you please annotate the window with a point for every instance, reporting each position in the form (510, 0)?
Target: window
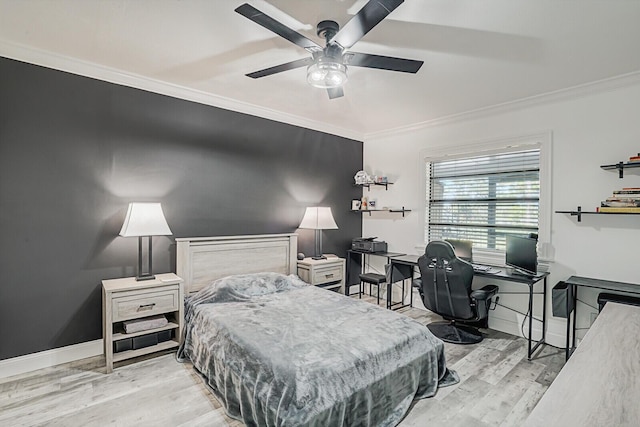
(484, 197)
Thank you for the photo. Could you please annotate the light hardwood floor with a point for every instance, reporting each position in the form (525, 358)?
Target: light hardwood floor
(498, 387)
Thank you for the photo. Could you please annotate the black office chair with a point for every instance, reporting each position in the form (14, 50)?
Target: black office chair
(445, 288)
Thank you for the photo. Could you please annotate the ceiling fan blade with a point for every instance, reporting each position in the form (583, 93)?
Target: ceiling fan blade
(280, 29)
(363, 21)
(335, 92)
(382, 62)
(280, 68)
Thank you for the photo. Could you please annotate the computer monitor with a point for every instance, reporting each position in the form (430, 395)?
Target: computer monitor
(462, 248)
(522, 254)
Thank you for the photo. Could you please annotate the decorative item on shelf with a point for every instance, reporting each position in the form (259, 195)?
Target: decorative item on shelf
(364, 204)
(362, 178)
(145, 220)
(144, 323)
(634, 159)
(355, 204)
(318, 218)
(372, 204)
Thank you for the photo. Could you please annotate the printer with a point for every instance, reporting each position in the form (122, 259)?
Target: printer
(368, 244)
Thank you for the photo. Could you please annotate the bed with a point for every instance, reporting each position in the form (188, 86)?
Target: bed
(276, 351)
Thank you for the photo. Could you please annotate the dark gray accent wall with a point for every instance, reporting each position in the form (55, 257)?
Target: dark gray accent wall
(75, 151)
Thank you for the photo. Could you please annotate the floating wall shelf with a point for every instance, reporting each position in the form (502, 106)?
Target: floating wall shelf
(621, 166)
(382, 184)
(579, 212)
(393, 210)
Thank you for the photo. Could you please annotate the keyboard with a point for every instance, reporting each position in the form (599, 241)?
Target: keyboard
(481, 268)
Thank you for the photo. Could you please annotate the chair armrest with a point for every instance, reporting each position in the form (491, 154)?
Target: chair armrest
(482, 299)
(484, 293)
(417, 284)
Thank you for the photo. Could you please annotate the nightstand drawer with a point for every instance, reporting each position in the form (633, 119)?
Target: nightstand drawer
(136, 305)
(327, 274)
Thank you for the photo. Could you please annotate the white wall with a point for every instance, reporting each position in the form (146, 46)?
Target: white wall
(589, 129)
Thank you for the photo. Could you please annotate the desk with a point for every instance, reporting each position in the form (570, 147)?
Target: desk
(404, 266)
(598, 386)
(503, 274)
(577, 281)
(356, 261)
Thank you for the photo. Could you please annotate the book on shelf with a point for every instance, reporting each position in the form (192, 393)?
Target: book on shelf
(624, 198)
(618, 192)
(612, 209)
(631, 188)
(626, 203)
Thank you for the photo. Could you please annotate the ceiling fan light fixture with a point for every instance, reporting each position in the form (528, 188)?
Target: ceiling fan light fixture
(327, 67)
(326, 74)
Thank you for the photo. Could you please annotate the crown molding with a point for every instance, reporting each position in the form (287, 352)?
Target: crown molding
(92, 70)
(112, 75)
(573, 92)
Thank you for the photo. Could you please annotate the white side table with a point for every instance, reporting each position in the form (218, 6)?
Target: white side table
(127, 299)
(326, 273)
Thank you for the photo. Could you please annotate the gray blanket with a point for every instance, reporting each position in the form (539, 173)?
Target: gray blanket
(278, 352)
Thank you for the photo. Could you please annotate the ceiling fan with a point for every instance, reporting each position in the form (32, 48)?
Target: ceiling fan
(327, 67)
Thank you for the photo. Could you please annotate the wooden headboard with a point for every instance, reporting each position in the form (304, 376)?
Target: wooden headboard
(201, 260)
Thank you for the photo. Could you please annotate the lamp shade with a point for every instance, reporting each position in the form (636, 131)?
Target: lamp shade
(318, 218)
(145, 219)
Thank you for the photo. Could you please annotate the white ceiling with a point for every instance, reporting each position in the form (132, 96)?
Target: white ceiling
(476, 53)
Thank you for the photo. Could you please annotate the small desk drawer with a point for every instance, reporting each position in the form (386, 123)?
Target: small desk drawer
(136, 305)
(327, 274)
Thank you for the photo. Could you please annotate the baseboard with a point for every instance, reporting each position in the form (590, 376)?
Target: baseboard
(45, 359)
(510, 327)
(556, 330)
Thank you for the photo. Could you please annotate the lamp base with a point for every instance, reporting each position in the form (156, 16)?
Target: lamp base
(144, 276)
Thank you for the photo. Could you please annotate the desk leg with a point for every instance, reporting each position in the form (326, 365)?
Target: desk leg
(365, 263)
(355, 266)
(567, 347)
(530, 321)
(389, 287)
(544, 310)
(575, 311)
(413, 271)
(532, 350)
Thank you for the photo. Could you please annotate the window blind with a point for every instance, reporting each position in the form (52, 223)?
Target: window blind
(483, 198)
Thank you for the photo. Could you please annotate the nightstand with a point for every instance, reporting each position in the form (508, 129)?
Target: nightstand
(325, 273)
(127, 299)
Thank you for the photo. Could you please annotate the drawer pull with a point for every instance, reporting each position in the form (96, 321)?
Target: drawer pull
(328, 275)
(146, 306)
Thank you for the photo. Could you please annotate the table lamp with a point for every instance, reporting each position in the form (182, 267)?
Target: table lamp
(145, 220)
(318, 218)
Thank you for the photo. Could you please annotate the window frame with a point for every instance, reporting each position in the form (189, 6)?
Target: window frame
(542, 141)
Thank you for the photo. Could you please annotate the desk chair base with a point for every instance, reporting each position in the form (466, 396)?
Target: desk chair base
(454, 333)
